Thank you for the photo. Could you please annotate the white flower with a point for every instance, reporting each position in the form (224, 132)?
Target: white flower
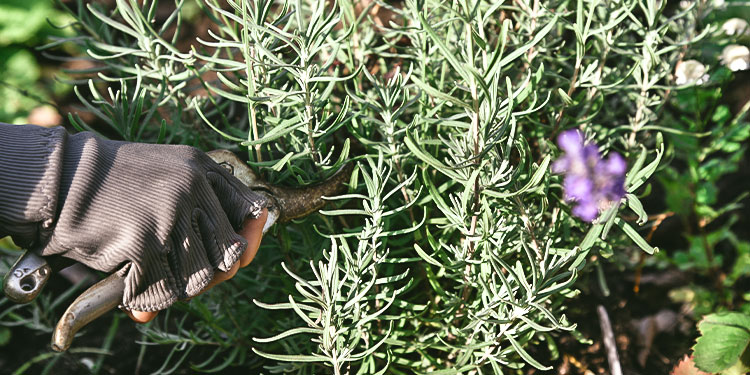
(736, 26)
(690, 72)
(736, 57)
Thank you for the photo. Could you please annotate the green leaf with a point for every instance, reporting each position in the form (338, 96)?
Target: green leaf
(291, 332)
(109, 21)
(533, 182)
(724, 338)
(4, 336)
(521, 50)
(721, 115)
(635, 204)
(525, 355)
(635, 236)
(440, 43)
(636, 178)
(291, 357)
(706, 193)
(565, 98)
(440, 95)
(429, 159)
(602, 279)
(425, 256)
(591, 236)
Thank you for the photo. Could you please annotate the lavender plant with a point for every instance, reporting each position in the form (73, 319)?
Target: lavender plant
(456, 246)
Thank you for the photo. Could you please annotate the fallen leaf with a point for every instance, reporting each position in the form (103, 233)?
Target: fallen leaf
(687, 367)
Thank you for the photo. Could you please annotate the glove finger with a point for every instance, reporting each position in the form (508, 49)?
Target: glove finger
(150, 283)
(188, 260)
(203, 224)
(223, 246)
(236, 199)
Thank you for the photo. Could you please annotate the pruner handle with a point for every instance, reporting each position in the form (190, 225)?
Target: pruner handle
(26, 278)
(30, 274)
(91, 304)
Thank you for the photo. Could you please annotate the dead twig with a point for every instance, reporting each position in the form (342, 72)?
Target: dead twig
(609, 341)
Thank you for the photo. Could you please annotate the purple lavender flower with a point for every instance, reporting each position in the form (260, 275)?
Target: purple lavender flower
(590, 181)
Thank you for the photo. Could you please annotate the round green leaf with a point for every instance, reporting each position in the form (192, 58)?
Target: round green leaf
(724, 338)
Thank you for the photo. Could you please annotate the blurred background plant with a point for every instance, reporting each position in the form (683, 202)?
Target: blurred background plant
(27, 83)
(454, 250)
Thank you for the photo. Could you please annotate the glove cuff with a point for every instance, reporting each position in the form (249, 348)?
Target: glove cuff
(30, 160)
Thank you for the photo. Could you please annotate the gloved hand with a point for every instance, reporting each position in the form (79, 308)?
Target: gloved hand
(164, 217)
(252, 231)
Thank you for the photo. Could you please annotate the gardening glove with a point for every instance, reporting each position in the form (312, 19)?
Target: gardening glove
(163, 217)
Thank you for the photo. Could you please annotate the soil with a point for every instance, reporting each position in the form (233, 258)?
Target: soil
(625, 308)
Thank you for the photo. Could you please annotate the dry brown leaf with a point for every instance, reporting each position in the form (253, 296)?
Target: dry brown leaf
(687, 367)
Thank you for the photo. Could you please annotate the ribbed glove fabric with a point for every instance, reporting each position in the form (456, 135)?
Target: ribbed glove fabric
(164, 217)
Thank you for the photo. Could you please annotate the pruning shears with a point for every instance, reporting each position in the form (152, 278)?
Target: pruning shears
(31, 272)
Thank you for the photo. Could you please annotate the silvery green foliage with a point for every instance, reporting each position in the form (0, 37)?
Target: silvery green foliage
(453, 249)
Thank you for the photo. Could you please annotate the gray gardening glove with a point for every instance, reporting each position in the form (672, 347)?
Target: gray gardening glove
(164, 217)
